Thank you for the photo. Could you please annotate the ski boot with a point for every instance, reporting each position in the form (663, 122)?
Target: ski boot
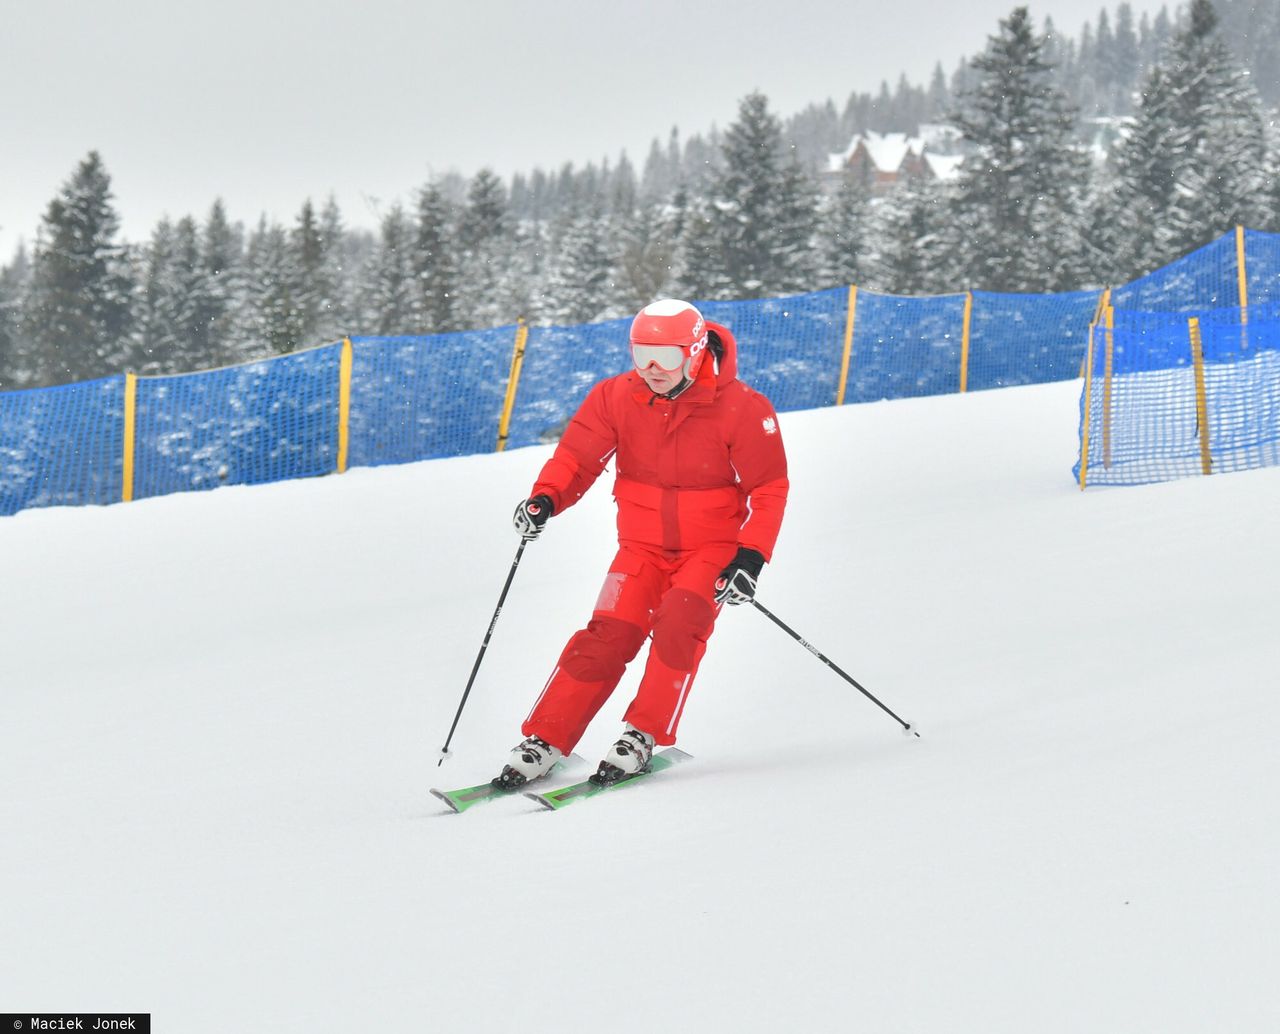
(531, 759)
(629, 756)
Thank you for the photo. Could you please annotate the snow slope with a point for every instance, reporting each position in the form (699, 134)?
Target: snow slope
(221, 713)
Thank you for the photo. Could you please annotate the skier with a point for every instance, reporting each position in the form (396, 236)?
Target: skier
(701, 487)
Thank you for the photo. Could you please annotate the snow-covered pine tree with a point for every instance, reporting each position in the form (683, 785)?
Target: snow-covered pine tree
(844, 233)
(1194, 162)
(1270, 219)
(796, 261)
(962, 79)
(760, 216)
(579, 282)
(485, 215)
(881, 116)
(155, 314)
(1162, 30)
(908, 107)
(435, 268)
(314, 240)
(522, 275)
(656, 181)
(1104, 63)
(485, 233)
(1015, 216)
(1058, 53)
(1230, 183)
(13, 285)
(519, 198)
(218, 307)
(939, 98)
(171, 337)
(624, 189)
(648, 254)
(270, 318)
(1125, 55)
(815, 133)
(342, 258)
(13, 278)
(909, 227)
(538, 206)
(390, 285)
(1252, 31)
(702, 163)
(78, 312)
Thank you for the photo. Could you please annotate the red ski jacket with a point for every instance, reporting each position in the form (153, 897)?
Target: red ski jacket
(705, 468)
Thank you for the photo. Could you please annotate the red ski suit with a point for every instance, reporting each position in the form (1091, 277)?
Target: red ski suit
(697, 477)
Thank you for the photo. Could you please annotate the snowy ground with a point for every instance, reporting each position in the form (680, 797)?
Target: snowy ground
(221, 712)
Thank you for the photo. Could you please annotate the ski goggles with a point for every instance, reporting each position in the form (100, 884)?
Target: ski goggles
(668, 358)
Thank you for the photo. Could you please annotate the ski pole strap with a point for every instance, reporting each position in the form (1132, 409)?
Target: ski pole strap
(907, 727)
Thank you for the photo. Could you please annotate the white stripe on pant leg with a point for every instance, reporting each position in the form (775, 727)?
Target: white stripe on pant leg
(542, 694)
(675, 715)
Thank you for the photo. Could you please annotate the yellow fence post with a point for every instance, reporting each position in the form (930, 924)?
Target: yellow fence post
(1242, 278)
(513, 381)
(1088, 400)
(849, 318)
(1202, 401)
(964, 342)
(344, 405)
(1108, 366)
(1104, 301)
(130, 435)
(1242, 288)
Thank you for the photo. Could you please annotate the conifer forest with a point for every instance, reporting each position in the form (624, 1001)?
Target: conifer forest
(1088, 159)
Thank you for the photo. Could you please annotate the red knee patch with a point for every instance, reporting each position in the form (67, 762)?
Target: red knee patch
(680, 628)
(602, 650)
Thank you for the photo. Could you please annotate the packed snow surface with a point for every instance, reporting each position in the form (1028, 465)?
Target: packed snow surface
(222, 713)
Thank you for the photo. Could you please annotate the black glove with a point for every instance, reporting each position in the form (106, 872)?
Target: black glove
(531, 515)
(737, 582)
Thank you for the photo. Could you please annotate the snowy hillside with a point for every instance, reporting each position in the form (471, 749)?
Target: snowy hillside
(221, 713)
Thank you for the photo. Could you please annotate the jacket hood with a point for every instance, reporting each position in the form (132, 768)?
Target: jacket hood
(726, 367)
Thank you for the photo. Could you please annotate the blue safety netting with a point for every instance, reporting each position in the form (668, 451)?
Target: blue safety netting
(1027, 339)
(1141, 412)
(1262, 267)
(415, 398)
(62, 446)
(423, 397)
(788, 348)
(1149, 413)
(241, 425)
(905, 347)
(560, 366)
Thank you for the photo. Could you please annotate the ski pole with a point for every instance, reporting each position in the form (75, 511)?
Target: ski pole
(444, 752)
(907, 727)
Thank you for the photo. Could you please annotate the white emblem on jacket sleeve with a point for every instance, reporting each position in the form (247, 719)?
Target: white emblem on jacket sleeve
(770, 425)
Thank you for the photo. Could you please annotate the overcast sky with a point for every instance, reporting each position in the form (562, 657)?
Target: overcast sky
(266, 103)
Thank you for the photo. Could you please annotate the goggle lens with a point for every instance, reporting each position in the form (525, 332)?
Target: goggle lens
(668, 358)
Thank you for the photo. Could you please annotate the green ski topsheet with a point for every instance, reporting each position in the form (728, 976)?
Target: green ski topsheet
(566, 795)
(469, 796)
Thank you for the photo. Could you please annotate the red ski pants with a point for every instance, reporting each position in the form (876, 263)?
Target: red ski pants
(647, 592)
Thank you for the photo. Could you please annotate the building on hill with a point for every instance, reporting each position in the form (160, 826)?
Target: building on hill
(883, 160)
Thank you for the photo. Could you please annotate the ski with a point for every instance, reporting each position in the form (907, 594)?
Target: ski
(566, 795)
(469, 796)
